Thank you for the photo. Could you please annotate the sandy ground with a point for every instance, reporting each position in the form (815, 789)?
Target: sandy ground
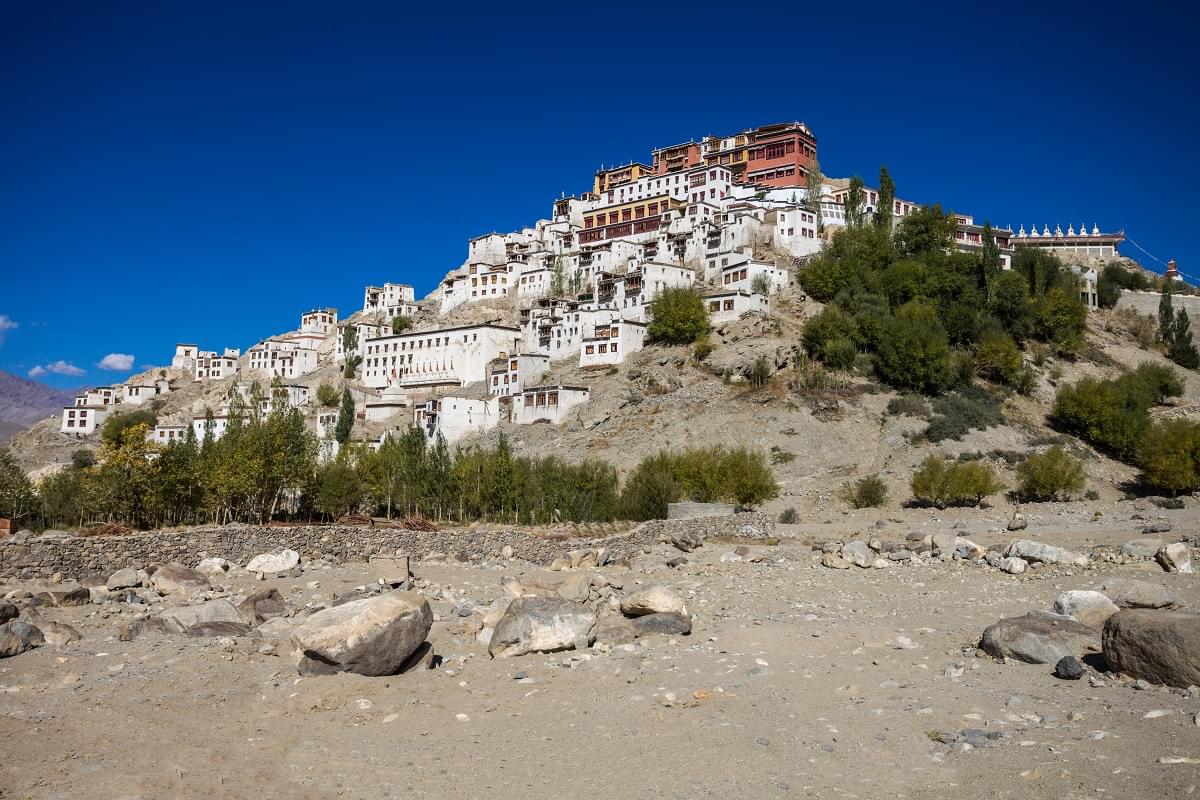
(795, 682)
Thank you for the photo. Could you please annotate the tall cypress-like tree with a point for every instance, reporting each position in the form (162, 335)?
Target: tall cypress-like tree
(1166, 316)
(853, 204)
(345, 420)
(349, 349)
(1182, 351)
(887, 200)
(812, 191)
(989, 260)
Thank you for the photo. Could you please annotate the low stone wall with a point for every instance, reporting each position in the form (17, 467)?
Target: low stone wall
(1146, 303)
(698, 510)
(81, 557)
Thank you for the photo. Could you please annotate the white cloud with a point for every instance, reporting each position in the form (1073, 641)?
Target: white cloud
(6, 325)
(37, 372)
(61, 367)
(117, 362)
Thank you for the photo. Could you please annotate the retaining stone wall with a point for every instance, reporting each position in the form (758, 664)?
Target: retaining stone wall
(81, 557)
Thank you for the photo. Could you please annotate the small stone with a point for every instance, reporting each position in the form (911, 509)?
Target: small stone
(1069, 668)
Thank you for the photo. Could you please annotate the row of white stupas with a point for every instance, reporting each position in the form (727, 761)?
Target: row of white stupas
(1058, 231)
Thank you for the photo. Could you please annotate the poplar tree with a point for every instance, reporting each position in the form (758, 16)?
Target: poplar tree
(887, 200)
(1182, 351)
(853, 204)
(349, 348)
(1166, 316)
(345, 420)
(989, 262)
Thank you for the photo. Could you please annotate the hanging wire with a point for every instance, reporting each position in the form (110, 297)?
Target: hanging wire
(1159, 260)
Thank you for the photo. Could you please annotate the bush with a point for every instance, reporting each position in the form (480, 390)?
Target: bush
(759, 372)
(840, 354)
(789, 516)
(914, 352)
(400, 324)
(909, 405)
(969, 408)
(649, 489)
(831, 325)
(1169, 456)
(678, 316)
(703, 348)
(999, 357)
(115, 426)
(1062, 320)
(868, 492)
(1103, 413)
(328, 395)
(703, 475)
(761, 284)
(941, 483)
(1052, 475)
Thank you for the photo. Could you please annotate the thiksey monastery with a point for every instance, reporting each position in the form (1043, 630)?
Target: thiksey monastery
(728, 215)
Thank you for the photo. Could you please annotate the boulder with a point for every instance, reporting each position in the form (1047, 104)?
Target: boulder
(213, 567)
(273, 563)
(1068, 668)
(374, 636)
(1142, 548)
(178, 620)
(687, 541)
(276, 628)
(834, 561)
(8, 612)
(123, 579)
(1175, 557)
(1045, 553)
(79, 596)
(1129, 593)
(263, 605)
(1039, 638)
(1013, 565)
(542, 625)
(943, 543)
(16, 637)
(665, 624)
(214, 629)
(1158, 646)
(57, 634)
(1091, 608)
(653, 600)
(1018, 522)
(576, 588)
(858, 553)
(175, 578)
(1156, 527)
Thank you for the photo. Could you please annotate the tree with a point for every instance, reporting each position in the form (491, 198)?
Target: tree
(1166, 316)
(345, 420)
(887, 200)
(677, 316)
(761, 284)
(831, 325)
(853, 204)
(401, 323)
(989, 260)
(649, 489)
(1011, 306)
(558, 282)
(914, 351)
(350, 350)
(84, 458)
(115, 426)
(812, 191)
(327, 395)
(926, 230)
(1062, 320)
(940, 483)
(339, 489)
(1052, 475)
(126, 477)
(17, 498)
(1182, 351)
(998, 355)
(1169, 456)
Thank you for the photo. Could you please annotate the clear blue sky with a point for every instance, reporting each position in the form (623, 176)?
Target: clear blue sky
(205, 172)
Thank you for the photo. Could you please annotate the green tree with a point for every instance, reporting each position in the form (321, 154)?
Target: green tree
(1011, 306)
(926, 230)
(832, 324)
(1166, 317)
(400, 324)
(1052, 475)
(63, 498)
(914, 352)
(339, 489)
(84, 458)
(941, 483)
(649, 489)
(127, 476)
(813, 190)
(989, 260)
(17, 498)
(1040, 269)
(115, 426)
(350, 350)
(345, 420)
(887, 200)
(1182, 351)
(1062, 320)
(1169, 456)
(677, 316)
(998, 355)
(853, 204)
(327, 394)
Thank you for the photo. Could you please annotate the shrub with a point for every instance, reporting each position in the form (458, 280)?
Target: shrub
(761, 284)
(908, 405)
(781, 456)
(941, 483)
(999, 357)
(400, 324)
(789, 516)
(678, 316)
(759, 372)
(1158, 381)
(969, 408)
(339, 489)
(115, 426)
(1169, 456)
(914, 352)
(328, 395)
(649, 489)
(83, 458)
(1062, 320)
(702, 474)
(831, 325)
(1052, 475)
(840, 354)
(868, 492)
(703, 348)
(1113, 415)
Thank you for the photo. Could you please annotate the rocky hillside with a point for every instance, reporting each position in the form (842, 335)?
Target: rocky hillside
(24, 402)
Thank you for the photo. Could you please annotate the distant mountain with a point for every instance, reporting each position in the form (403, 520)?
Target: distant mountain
(24, 402)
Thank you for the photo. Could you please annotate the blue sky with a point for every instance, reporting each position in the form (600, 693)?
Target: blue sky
(181, 172)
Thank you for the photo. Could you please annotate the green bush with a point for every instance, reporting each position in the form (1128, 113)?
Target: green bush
(789, 516)
(649, 489)
(400, 324)
(914, 352)
(328, 395)
(703, 348)
(832, 324)
(115, 426)
(677, 316)
(700, 474)
(868, 492)
(1113, 278)
(999, 357)
(942, 483)
(1062, 320)
(1114, 415)
(1052, 475)
(909, 405)
(840, 354)
(1169, 456)
(969, 408)
(759, 372)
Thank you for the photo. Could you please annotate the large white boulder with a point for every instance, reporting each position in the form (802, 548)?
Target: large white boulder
(370, 637)
(1091, 608)
(542, 625)
(653, 600)
(273, 563)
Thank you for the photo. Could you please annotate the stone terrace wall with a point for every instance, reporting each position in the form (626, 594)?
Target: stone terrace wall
(1146, 303)
(81, 557)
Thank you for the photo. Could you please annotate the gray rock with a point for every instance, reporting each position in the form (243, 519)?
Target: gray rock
(273, 563)
(175, 578)
(16, 637)
(542, 625)
(58, 634)
(834, 561)
(123, 579)
(1018, 523)
(213, 567)
(944, 542)
(1069, 668)
(1142, 548)
(653, 600)
(276, 628)
(263, 605)
(1175, 557)
(1045, 553)
(1039, 638)
(1129, 593)
(687, 541)
(1013, 565)
(666, 624)
(858, 553)
(215, 629)
(576, 588)
(1157, 527)
(1158, 646)
(178, 620)
(76, 597)
(8, 612)
(1091, 608)
(374, 636)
